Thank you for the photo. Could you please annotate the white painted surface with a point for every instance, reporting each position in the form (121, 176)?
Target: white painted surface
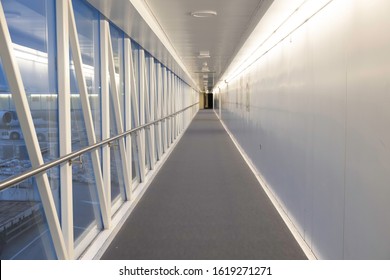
(367, 225)
(318, 104)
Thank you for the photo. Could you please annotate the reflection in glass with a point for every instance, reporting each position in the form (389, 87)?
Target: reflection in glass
(85, 202)
(117, 181)
(135, 164)
(23, 229)
(24, 233)
(156, 103)
(86, 210)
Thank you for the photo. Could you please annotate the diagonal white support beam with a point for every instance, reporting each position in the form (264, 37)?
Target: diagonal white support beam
(26, 123)
(118, 112)
(135, 109)
(86, 108)
(64, 119)
(147, 91)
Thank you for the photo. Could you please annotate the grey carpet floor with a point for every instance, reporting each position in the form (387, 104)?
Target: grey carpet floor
(205, 203)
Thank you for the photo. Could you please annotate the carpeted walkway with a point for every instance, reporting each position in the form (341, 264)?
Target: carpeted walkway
(205, 203)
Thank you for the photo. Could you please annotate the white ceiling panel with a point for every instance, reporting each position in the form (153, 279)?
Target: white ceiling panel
(221, 35)
(184, 36)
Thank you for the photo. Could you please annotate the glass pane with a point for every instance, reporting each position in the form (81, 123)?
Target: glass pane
(135, 162)
(156, 101)
(87, 24)
(86, 210)
(163, 107)
(24, 233)
(32, 29)
(136, 65)
(3, 82)
(117, 178)
(117, 40)
(23, 228)
(117, 182)
(85, 200)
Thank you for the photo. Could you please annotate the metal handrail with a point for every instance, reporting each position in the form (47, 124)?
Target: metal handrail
(21, 177)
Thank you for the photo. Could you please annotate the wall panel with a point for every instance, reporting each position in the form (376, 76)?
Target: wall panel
(312, 115)
(367, 227)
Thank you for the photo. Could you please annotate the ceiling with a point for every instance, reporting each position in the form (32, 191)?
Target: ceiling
(221, 35)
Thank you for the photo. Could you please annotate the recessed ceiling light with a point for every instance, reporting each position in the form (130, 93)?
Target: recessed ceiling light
(204, 54)
(203, 14)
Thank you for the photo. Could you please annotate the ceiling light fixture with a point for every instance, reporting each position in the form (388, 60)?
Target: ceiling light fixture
(204, 54)
(203, 14)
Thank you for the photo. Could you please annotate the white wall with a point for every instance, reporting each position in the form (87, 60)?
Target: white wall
(318, 103)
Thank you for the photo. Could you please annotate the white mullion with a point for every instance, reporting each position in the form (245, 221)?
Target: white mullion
(29, 133)
(165, 109)
(142, 112)
(158, 109)
(177, 96)
(86, 108)
(105, 114)
(182, 107)
(169, 87)
(162, 108)
(176, 107)
(165, 106)
(135, 108)
(152, 89)
(173, 107)
(128, 91)
(147, 112)
(118, 113)
(180, 97)
(170, 108)
(64, 122)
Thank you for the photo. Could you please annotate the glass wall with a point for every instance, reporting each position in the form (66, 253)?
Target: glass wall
(135, 112)
(117, 178)
(24, 231)
(86, 209)
(23, 228)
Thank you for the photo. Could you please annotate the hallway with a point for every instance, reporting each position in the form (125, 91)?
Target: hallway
(205, 203)
(97, 107)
